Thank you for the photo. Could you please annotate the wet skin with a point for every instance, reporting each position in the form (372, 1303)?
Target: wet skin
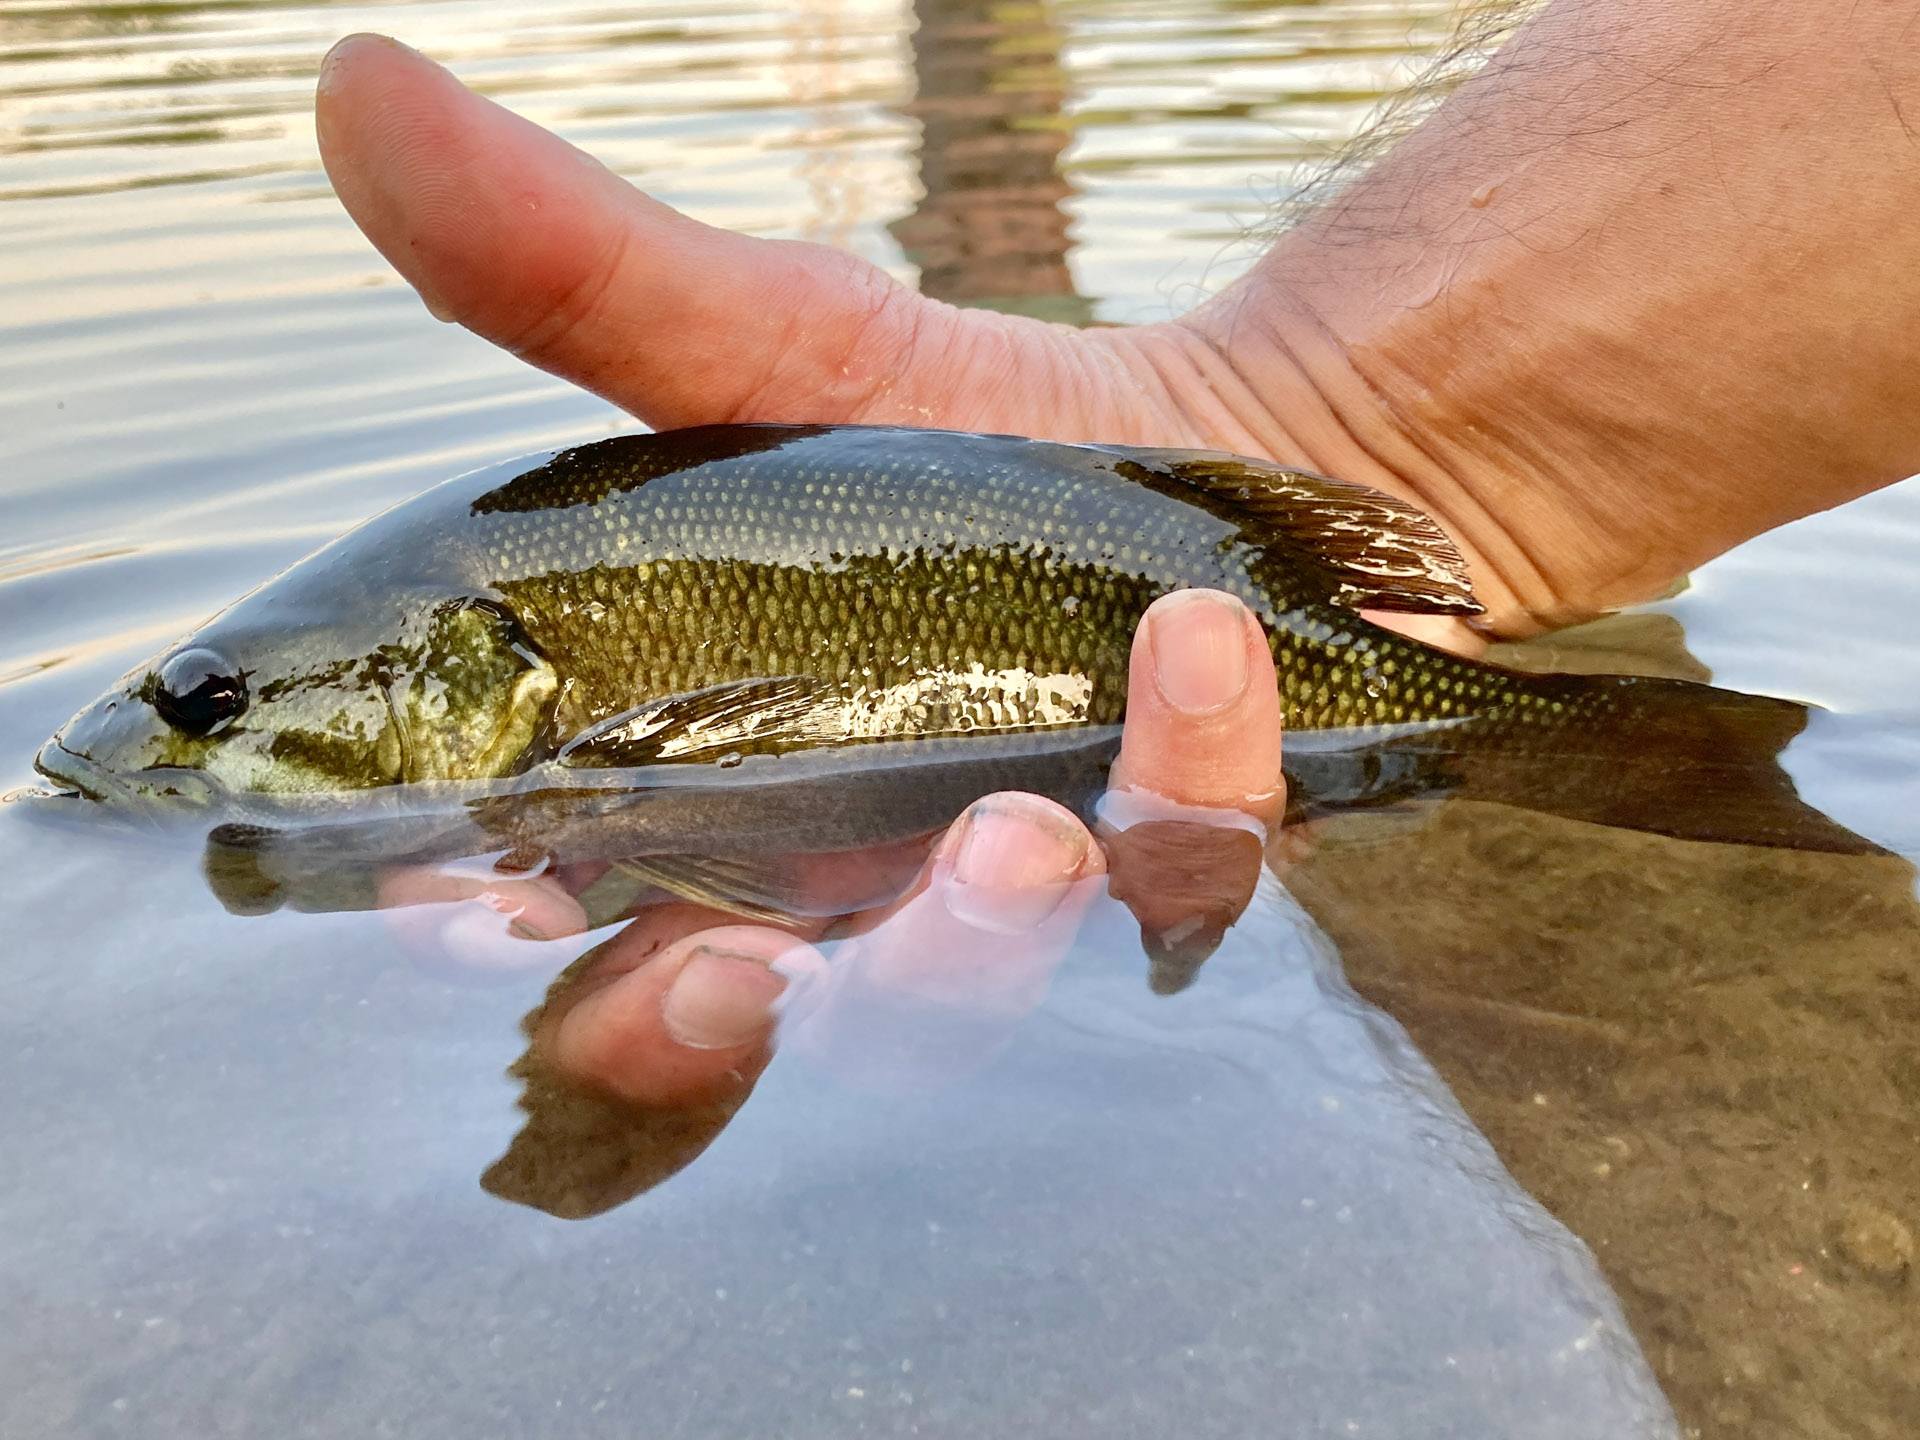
(1548, 319)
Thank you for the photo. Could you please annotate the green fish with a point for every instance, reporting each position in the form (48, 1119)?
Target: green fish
(727, 640)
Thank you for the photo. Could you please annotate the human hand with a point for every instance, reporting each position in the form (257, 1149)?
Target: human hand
(678, 1008)
(531, 244)
(1548, 318)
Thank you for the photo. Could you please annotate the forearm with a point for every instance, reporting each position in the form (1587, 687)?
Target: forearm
(1646, 286)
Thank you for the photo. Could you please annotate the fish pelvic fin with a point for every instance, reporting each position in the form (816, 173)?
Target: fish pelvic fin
(1371, 551)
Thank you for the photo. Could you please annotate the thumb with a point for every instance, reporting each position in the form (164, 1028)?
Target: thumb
(534, 245)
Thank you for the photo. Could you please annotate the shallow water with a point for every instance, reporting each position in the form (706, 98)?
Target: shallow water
(245, 1153)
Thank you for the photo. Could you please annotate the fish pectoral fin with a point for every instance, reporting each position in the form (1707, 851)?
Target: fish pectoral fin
(707, 724)
(233, 872)
(1373, 551)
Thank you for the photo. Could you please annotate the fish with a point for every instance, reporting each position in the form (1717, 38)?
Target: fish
(726, 641)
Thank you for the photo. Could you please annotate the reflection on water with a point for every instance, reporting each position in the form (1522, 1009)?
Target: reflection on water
(245, 1151)
(1700, 1058)
(926, 983)
(1696, 1056)
(255, 1152)
(990, 227)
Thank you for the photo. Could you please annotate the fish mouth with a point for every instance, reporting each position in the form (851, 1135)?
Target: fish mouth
(80, 776)
(76, 776)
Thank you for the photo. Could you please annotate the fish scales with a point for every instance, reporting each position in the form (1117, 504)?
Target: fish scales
(711, 594)
(933, 582)
(1074, 552)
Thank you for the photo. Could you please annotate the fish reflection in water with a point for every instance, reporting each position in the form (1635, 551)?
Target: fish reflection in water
(1191, 1206)
(1699, 1057)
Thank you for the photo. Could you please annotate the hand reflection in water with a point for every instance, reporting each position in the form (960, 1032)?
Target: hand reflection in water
(677, 1011)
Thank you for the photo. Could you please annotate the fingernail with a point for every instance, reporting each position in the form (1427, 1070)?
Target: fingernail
(1012, 865)
(436, 307)
(721, 998)
(1199, 644)
(329, 70)
(1008, 843)
(331, 65)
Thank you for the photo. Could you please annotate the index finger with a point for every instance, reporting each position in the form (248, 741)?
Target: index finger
(1203, 708)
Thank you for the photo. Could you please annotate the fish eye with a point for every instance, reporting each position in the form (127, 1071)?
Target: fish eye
(200, 691)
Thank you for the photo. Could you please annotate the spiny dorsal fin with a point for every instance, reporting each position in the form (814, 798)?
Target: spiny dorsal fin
(1375, 552)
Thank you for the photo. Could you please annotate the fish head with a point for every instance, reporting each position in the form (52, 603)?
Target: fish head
(293, 693)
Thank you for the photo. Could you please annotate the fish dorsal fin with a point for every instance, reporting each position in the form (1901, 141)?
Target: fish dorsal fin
(703, 724)
(1374, 551)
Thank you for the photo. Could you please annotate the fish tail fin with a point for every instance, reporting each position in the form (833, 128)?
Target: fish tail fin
(1671, 758)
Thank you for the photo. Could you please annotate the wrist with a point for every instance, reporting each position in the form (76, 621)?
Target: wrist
(1552, 319)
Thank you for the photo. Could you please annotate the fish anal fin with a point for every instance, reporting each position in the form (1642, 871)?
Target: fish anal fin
(1373, 551)
(763, 892)
(705, 724)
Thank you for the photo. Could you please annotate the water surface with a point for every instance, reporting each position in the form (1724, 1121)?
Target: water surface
(1660, 1120)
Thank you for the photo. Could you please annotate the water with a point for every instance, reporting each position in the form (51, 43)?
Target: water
(243, 1185)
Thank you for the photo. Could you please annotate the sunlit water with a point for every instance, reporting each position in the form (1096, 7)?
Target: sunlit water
(242, 1193)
